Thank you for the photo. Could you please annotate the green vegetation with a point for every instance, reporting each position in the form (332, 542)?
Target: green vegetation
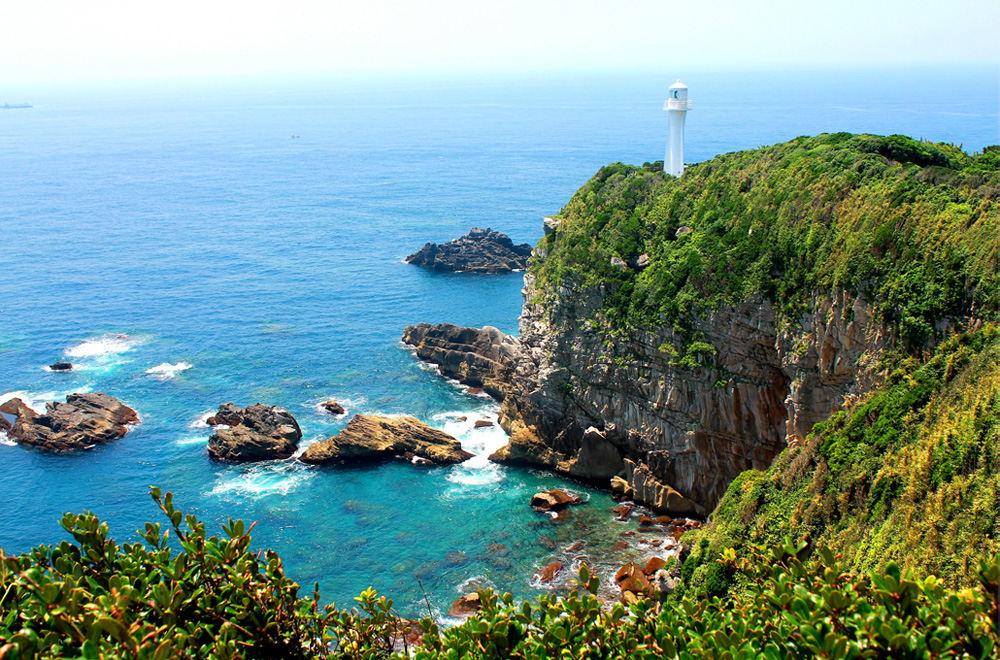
(912, 225)
(910, 475)
(212, 599)
(215, 598)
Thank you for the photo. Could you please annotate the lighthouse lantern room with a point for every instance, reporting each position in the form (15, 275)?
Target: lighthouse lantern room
(676, 106)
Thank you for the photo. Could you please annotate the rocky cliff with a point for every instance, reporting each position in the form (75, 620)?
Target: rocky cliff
(686, 337)
(582, 401)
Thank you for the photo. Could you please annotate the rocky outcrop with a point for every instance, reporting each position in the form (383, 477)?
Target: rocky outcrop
(256, 433)
(61, 366)
(588, 403)
(479, 251)
(481, 358)
(370, 438)
(83, 421)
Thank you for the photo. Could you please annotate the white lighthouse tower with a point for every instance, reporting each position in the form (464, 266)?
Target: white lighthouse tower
(677, 106)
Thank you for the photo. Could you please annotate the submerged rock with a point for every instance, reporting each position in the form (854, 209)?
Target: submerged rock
(370, 438)
(82, 421)
(61, 366)
(256, 433)
(479, 251)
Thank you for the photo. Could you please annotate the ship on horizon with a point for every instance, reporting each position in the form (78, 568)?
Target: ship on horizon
(14, 106)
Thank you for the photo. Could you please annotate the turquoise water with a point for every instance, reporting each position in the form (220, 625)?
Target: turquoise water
(181, 247)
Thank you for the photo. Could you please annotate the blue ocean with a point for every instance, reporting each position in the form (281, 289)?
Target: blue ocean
(243, 240)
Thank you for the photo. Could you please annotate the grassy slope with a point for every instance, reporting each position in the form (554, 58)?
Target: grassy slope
(911, 474)
(910, 223)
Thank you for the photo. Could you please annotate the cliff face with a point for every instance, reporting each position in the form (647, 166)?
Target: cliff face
(581, 401)
(676, 332)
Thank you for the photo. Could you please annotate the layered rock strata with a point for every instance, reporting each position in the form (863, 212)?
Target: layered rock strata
(82, 421)
(255, 433)
(596, 404)
(479, 251)
(371, 438)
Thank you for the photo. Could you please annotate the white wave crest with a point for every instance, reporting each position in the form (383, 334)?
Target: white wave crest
(37, 400)
(202, 421)
(262, 480)
(477, 472)
(192, 440)
(109, 344)
(166, 371)
(6, 441)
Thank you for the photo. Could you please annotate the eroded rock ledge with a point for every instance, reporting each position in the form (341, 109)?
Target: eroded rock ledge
(371, 438)
(585, 403)
(82, 421)
(479, 251)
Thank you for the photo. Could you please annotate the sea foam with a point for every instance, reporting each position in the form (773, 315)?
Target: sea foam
(107, 344)
(37, 400)
(166, 371)
(261, 480)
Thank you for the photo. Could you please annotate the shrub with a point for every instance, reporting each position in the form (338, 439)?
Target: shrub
(216, 599)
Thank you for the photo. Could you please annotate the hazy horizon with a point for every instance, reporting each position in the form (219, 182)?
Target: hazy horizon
(57, 42)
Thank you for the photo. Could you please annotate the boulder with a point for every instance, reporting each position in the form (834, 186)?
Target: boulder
(653, 565)
(371, 438)
(631, 578)
(256, 433)
(553, 500)
(549, 573)
(61, 366)
(623, 511)
(665, 582)
(334, 408)
(483, 423)
(479, 251)
(464, 607)
(83, 421)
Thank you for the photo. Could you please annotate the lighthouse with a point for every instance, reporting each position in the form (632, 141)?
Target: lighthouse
(676, 106)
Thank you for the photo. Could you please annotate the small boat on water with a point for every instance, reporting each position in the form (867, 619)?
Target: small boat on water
(14, 106)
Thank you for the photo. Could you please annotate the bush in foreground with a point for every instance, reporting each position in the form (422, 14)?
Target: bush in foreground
(216, 598)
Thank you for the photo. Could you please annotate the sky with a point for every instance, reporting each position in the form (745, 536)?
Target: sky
(115, 40)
